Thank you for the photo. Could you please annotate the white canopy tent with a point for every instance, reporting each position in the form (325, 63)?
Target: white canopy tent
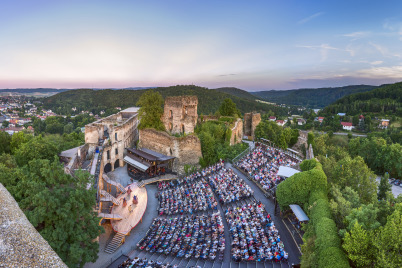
(286, 171)
(299, 213)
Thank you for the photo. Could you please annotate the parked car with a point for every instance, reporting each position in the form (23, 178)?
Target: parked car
(397, 182)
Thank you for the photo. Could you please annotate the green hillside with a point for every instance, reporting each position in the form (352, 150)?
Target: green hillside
(209, 100)
(387, 99)
(311, 97)
(237, 92)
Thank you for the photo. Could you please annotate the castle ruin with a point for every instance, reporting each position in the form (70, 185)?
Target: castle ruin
(180, 114)
(251, 121)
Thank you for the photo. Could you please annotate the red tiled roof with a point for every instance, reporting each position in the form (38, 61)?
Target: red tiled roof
(346, 124)
(279, 121)
(272, 117)
(319, 118)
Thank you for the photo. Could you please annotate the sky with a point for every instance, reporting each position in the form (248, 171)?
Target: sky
(252, 45)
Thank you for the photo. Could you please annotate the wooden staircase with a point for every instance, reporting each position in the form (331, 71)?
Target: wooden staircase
(106, 197)
(114, 183)
(116, 242)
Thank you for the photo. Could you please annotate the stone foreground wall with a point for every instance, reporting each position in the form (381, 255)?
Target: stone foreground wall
(187, 150)
(20, 244)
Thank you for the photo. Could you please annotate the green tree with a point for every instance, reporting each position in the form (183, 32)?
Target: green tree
(228, 108)
(151, 110)
(384, 187)
(5, 140)
(389, 241)
(358, 243)
(36, 148)
(5, 123)
(18, 139)
(61, 209)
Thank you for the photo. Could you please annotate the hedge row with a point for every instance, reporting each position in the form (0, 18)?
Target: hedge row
(309, 188)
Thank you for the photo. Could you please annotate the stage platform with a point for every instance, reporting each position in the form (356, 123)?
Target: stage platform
(130, 219)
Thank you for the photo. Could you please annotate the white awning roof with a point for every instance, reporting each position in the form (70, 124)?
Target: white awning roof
(286, 171)
(135, 163)
(298, 211)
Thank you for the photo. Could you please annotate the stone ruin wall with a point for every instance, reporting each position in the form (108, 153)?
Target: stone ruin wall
(20, 244)
(180, 112)
(251, 121)
(187, 150)
(237, 132)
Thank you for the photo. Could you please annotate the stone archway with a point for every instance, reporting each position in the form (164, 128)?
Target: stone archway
(117, 164)
(107, 168)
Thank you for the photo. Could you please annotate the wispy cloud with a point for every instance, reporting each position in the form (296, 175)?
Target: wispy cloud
(358, 35)
(377, 62)
(227, 74)
(302, 21)
(324, 48)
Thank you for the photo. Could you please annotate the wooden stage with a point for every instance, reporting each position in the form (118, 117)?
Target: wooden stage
(130, 219)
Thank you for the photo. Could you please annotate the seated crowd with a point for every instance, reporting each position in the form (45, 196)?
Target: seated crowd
(187, 198)
(262, 165)
(228, 186)
(189, 236)
(254, 236)
(163, 185)
(144, 263)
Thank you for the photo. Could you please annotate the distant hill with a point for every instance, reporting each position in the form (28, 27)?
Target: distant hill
(237, 92)
(311, 97)
(33, 90)
(386, 99)
(209, 100)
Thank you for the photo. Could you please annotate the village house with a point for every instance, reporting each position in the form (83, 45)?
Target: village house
(347, 126)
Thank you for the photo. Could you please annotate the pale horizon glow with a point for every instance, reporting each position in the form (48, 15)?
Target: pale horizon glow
(258, 45)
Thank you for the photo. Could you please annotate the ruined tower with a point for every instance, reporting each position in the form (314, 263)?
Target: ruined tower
(251, 121)
(180, 114)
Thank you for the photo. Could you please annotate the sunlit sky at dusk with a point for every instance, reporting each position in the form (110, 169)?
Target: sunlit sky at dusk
(253, 45)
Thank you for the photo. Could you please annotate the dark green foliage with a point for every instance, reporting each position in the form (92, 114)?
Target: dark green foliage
(36, 148)
(311, 97)
(327, 234)
(308, 164)
(215, 140)
(282, 137)
(237, 92)
(333, 257)
(297, 189)
(61, 125)
(5, 140)
(309, 189)
(379, 155)
(386, 99)
(58, 205)
(228, 108)
(60, 208)
(151, 110)
(95, 101)
(384, 187)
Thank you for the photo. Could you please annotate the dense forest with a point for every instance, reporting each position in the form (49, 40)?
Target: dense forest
(311, 97)
(349, 213)
(237, 92)
(95, 101)
(386, 99)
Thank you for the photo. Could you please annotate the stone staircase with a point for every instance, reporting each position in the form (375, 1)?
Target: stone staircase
(107, 197)
(116, 242)
(110, 216)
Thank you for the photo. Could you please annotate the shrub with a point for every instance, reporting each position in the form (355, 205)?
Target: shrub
(333, 257)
